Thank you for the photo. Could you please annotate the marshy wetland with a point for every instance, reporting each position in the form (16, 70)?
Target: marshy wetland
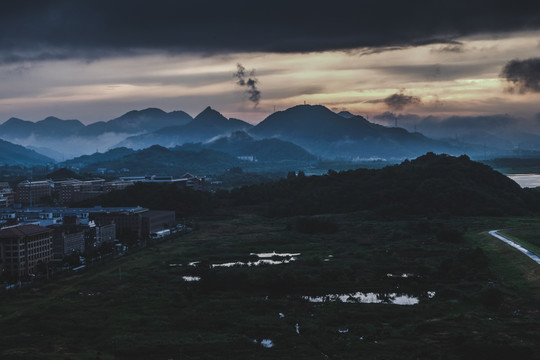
(469, 295)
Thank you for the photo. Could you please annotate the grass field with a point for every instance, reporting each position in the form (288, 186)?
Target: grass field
(139, 307)
(527, 237)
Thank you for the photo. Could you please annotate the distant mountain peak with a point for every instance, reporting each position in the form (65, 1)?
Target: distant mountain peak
(157, 148)
(51, 118)
(54, 121)
(14, 120)
(210, 115)
(134, 114)
(208, 110)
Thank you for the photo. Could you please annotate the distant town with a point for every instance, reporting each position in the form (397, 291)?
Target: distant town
(42, 235)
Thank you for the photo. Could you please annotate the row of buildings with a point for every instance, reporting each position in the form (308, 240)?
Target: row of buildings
(31, 238)
(69, 191)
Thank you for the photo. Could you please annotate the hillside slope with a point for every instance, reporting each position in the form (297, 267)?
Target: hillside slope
(12, 154)
(429, 185)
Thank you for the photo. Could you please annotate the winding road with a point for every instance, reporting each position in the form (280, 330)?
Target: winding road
(495, 233)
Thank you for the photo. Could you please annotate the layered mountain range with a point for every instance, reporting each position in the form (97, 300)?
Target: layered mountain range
(303, 132)
(64, 139)
(205, 126)
(13, 154)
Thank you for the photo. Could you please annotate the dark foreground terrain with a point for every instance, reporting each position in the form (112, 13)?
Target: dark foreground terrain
(470, 296)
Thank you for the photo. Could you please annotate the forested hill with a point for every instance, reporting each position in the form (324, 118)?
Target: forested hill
(429, 185)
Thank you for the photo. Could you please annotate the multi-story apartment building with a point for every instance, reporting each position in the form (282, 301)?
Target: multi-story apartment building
(72, 190)
(33, 192)
(7, 195)
(188, 180)
(23, 248)
(116, 185)
(128, 221)
(156, 220)
(96, 235)
(67, 241)
(3, 201)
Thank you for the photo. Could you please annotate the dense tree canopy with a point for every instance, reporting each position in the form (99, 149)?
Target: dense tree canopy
(430, 184)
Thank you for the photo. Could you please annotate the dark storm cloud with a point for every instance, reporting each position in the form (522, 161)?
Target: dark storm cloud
(96, 28)
(398, 101)
(523, 75)
(250, 83)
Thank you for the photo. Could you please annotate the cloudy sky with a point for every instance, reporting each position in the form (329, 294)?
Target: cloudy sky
(95, 60)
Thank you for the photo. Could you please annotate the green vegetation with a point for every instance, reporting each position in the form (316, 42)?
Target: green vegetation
(139, 307)
(430, 184)
(269, 156)
(14, 154)
(529, 238)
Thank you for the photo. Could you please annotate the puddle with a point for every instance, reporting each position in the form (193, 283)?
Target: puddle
(297, 327)
(343, 331)
(266, 259)
(274, 254)
(399, 276)
(366, 298)
(191, 278)
(256, 263)
(281, 315)
(266, 343)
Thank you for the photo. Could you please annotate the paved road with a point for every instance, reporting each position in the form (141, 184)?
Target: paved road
(517, 246)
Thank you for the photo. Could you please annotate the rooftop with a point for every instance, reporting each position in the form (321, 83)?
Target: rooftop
(22, 230)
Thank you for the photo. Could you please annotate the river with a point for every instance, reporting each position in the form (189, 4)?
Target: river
(526, 180)
(527, 252)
